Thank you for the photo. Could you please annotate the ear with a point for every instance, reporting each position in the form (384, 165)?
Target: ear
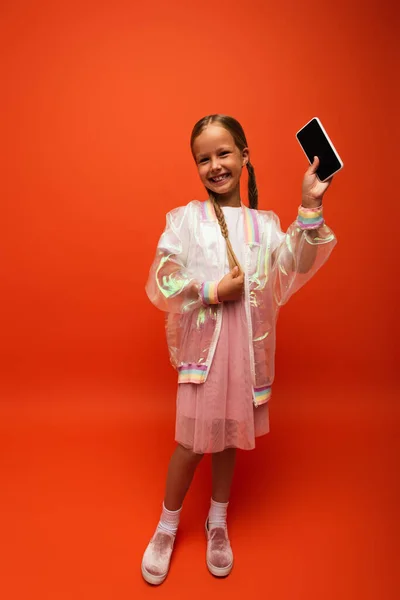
(245, 156)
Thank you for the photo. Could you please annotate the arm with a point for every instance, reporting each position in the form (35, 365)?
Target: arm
(308, 242)
(171, 285)
(297, 256)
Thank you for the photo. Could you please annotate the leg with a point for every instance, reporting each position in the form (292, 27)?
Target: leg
(223, 465)
(181, 469)
(157, 557)
(219, 552)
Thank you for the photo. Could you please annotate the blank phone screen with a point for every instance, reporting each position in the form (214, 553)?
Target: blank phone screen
(314, 143)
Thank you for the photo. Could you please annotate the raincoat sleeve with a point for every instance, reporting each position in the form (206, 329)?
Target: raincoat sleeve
(297, 255)
(172, 286)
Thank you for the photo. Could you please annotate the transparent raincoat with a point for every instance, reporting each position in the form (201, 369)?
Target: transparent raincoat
(191, 260)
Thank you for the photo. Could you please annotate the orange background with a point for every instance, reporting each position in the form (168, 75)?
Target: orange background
(98, 103)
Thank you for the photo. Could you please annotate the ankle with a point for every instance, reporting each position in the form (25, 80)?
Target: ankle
(217, 514)
(169, 521)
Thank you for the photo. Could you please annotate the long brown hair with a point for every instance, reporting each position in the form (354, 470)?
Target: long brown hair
(237, 132)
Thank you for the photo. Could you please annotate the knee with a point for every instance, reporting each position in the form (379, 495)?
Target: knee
(190, 456)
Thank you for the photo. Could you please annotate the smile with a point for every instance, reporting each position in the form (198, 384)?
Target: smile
(220, 179)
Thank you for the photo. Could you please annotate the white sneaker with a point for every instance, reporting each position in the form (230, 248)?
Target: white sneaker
(219, 554)
(157, 557)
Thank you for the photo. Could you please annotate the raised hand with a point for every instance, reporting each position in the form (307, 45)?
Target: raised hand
(313, 190)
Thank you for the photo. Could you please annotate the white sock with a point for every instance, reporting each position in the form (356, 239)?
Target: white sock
(169, 520)
(217, 514)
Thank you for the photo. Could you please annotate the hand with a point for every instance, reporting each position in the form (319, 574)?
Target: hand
(231, 287)
(313, 189)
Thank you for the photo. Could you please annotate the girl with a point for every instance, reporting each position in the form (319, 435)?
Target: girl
(221, 273)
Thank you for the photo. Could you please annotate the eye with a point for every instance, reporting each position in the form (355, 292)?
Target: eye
(203, 160)
(224, 152)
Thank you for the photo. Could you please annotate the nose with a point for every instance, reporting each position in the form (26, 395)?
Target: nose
(215, 166)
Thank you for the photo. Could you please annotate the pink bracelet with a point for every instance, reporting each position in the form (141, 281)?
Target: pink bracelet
(310, 218)
(209, 292)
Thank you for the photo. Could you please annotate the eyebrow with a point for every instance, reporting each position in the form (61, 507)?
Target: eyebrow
(226, 147)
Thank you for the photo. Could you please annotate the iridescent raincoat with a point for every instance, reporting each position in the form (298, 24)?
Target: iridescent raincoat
(191, 260)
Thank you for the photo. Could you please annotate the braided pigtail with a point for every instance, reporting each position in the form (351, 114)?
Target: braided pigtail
(252, 187)
(233, 261)
(236, 130)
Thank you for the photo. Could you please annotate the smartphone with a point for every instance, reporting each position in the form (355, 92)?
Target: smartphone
(315, 142)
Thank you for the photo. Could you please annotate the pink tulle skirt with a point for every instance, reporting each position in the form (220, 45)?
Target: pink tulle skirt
(220, 413)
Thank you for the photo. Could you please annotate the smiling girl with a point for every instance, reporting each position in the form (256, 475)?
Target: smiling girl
(221, 273)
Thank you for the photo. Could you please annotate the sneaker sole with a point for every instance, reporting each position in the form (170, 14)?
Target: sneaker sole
(153, 579)
(217, 571)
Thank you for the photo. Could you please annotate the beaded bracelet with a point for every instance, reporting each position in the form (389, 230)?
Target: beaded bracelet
(310, 218)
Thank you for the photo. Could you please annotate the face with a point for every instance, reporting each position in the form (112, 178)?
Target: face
(219, 161)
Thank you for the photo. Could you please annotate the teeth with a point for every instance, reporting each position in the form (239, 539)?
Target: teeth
(216, 179)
